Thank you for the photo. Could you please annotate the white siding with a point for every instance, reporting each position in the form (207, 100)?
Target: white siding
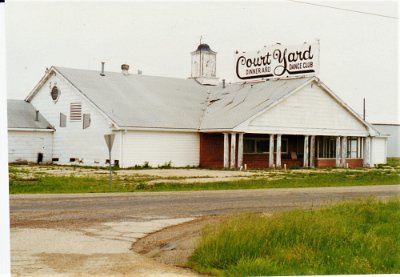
(309, 111)
(158, 148)
(393, 140)
(25, 146)
(73, 141)
(378, 150)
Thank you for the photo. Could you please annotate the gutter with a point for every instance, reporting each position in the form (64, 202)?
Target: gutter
(31, 130)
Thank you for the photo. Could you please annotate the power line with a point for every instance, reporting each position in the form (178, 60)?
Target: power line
(342, 9)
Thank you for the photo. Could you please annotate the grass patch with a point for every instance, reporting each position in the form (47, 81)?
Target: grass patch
(394, 162)
(23, 181)
(359, 237)
(293, 180)
(72, 184)
(58, 184)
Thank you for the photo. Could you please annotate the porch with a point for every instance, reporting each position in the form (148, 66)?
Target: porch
(245, 150)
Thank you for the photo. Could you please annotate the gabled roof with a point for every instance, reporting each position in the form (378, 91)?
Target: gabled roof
(21, 115)
(141, 101)
(151, 102)
(235, 104)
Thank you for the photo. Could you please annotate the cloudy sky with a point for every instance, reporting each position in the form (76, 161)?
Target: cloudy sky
(359, 51)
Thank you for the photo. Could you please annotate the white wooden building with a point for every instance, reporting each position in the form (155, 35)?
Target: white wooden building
(30, 136)
(392, 131)
(199, 122)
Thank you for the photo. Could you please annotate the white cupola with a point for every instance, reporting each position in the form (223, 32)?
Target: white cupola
(204, 65)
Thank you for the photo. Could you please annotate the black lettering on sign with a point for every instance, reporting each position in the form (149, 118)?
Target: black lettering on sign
(276, 63)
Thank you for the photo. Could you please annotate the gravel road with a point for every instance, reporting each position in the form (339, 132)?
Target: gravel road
(92, 234)
(80, 209)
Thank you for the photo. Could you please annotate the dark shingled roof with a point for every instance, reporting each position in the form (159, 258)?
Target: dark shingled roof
(204, 48)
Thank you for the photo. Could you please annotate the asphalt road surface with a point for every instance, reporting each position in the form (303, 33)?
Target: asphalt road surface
(52, 211)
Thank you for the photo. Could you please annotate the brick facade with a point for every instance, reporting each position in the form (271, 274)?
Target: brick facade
(212, 153)
(325, 162)
(211, 150)
(353, 163)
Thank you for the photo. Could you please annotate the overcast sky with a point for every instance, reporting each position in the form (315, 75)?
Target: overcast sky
(359, 52)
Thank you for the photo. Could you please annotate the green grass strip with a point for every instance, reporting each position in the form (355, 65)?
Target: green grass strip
(42, 183)
(361, 237)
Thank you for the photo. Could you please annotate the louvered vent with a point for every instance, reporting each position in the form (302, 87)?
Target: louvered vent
(76, 112)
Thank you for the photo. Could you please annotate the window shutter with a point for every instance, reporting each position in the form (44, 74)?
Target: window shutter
(75, 111)
(63, 120)
(86, 120)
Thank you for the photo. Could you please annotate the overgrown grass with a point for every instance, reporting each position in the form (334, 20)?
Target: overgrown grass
(293, 180)
(361, 237)
(44, 183)
(394, 162)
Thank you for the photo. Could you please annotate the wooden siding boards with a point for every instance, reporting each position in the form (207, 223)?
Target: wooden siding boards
(309, 111)
(25, 146)
(159, 148)
(378, 150)
(73, 141)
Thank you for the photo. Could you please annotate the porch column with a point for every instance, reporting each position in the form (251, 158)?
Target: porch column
(226, 150)
(367, 152)
(278, 150)
(305, 157)
(271, 151)
(312, 151)
(338, 160)
(233, 150)
(344, 151)
(362, 141)
(240, 150)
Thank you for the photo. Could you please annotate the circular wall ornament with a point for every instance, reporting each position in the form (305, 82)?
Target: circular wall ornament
(55, 93)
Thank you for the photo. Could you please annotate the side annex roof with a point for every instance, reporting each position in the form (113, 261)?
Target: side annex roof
(21, 115)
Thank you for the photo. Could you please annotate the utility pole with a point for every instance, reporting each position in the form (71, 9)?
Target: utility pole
(364, 109)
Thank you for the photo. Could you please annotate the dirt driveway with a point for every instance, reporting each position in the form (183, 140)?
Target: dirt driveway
(92, 234)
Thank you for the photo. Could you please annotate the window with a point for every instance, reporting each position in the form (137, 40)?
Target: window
(261, 146)
(63, 120)
(86, 120)
(352, 148)
(55, 93)
(327, 147)
(249, 146)
(75, 111)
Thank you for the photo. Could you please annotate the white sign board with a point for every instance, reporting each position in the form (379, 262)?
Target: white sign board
(278, 61)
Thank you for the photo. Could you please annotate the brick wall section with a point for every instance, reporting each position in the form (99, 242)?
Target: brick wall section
(353, 163)
(261, 161)
(211, 150)
(256, 160)
(325, 162)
